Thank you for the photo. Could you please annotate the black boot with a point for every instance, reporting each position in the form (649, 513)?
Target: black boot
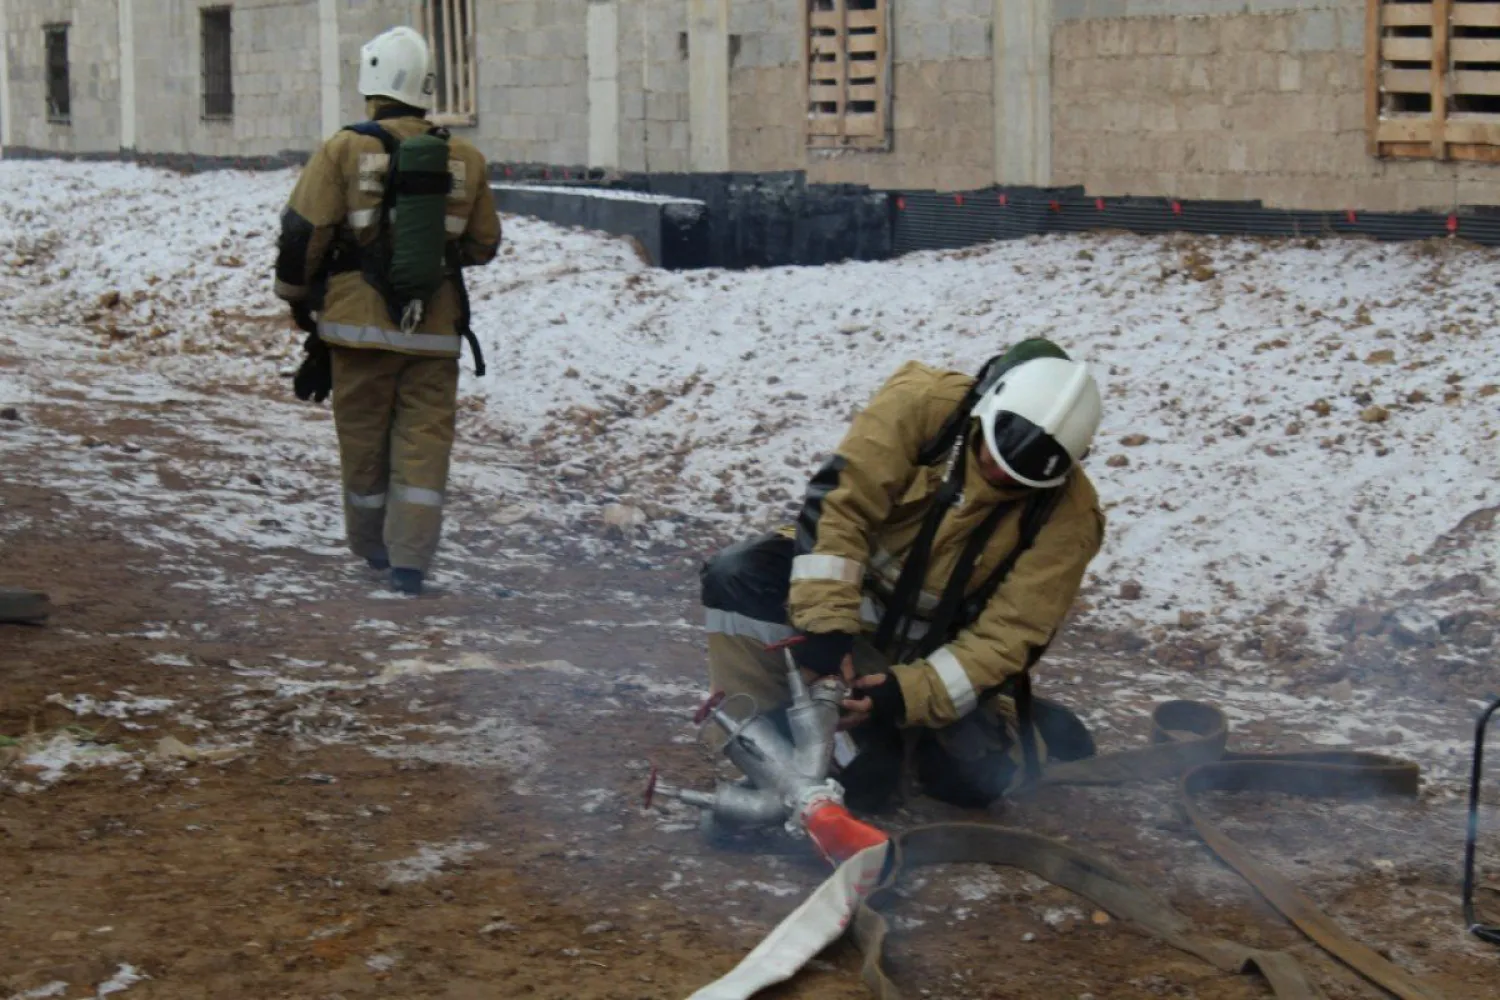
(872, 779)
(378, 562)
(408, 581)
(1065, 734)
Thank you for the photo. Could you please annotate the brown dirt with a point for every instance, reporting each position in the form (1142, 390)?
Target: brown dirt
(264, 875)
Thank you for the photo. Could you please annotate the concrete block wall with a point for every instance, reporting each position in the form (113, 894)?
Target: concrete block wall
(274, 55)
(358, 22)
(93, 70)
(532, 74)
(1267, 106)
(767, 90)
(943, 112)
(276, 76)
(1186, 98)
(653, 85)
(533, 81)
(533, 92)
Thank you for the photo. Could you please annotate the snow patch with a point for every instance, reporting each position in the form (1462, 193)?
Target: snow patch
(52, 989)
(124, 978)
(47, 763)
(417, 668)
(979, 886)
(491, 743)
(125, 706)
(777, 889)
(430, 860)
(1058, 916)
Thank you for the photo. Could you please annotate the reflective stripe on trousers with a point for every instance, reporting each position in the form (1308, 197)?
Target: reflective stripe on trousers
(734, 623)
(350, 335)
(418, 495)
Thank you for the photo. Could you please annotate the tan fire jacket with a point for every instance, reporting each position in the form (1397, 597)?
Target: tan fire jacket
(337, 196)
(869, 518)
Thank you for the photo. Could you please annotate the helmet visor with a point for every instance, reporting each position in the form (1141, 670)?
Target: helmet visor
(1026, 452)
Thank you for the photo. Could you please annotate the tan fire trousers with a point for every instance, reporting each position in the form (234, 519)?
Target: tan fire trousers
(395, 416)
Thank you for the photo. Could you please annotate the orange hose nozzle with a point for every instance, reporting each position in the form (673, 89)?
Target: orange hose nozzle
(838, 834)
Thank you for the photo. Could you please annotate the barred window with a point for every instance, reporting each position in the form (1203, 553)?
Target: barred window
(218, 63)
(449, 27)
(1433, 79)
(848, 74)
(59, 90)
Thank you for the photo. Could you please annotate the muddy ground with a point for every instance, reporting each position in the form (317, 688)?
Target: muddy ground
(365, 795)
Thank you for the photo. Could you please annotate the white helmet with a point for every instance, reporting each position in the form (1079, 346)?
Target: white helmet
(1040, 418)
(398, 65)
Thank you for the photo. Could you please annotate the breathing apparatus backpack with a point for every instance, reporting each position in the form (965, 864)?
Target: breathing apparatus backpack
(411, 255)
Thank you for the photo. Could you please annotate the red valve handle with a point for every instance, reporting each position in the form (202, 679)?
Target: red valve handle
(704, 710)
(787, 643)
(650, 788)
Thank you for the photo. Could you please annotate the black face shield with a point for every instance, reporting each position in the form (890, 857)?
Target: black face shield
(1031, 455)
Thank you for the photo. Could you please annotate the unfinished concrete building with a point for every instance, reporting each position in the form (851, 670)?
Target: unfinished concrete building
(1326, 104)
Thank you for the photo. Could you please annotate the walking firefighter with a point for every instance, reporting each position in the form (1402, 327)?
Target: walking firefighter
(373, 242)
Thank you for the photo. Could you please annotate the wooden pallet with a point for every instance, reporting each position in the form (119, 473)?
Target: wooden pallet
(848, 58)
(1433, 79)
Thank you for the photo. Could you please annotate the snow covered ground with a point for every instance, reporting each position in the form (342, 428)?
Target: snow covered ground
(1292, 426)
(1261, 447)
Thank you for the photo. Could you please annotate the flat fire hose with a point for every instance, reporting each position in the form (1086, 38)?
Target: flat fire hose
(1189, 741)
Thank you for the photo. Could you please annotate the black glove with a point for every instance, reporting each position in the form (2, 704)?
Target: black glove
(314, 380)
(888, 704)
(302, 315)
(823, 652)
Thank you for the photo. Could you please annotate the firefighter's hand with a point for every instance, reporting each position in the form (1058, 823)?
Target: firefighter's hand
(302, 315)
(846, 670)
(883, 702)
(823, 652)
(314, 379)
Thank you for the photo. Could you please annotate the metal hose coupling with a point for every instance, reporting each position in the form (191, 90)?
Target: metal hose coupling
(835, 831)
(785, 765)
(411, 316)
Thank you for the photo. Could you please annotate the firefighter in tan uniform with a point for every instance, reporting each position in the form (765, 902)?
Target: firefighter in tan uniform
(934, 559)
(393, 370)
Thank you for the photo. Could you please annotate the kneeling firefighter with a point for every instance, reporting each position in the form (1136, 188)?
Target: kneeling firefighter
(373, 240)
(932, 563)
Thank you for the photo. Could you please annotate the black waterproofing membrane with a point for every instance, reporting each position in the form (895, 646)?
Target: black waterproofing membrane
(929, 220)
(778, 219)
(750, 220)
(673, 234)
